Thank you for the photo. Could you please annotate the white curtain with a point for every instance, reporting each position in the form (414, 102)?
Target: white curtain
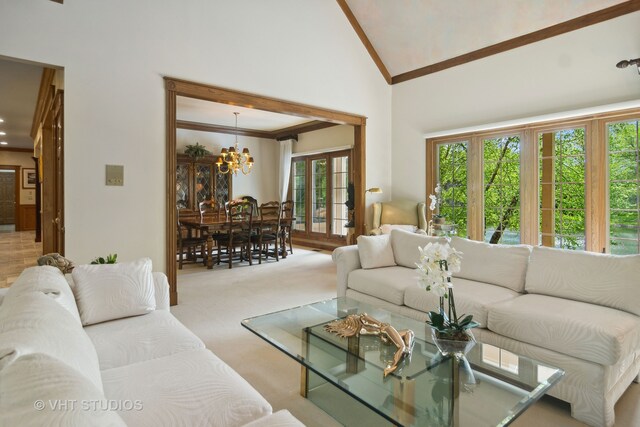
(285, 168)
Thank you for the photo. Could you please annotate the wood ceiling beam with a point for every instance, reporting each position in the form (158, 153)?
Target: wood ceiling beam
(206, 127)
(365, 40)
(536, 36)
(302, 128)
(17, 150)
(275, 134)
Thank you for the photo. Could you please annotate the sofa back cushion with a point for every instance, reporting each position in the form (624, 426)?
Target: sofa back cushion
(48, 280)
(39, 390)
(113, 291)
(405, 246)
(502, 265)
(35, 323)
(375, 251)
(602, 279)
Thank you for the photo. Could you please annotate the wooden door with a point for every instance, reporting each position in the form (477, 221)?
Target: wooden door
(52, 180)
(58, 136)
(7, 197)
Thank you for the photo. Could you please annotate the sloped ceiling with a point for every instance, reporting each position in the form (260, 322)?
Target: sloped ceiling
(416, 37)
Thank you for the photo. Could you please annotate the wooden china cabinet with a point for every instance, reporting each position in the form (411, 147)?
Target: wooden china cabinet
(199, 180)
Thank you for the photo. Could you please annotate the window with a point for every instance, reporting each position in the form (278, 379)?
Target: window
(502, 189)
(500, 358)
(571, 184)
(340, 180)
(452, 176)
(562, 189)
(624, 187)
(320, 182)
(298, 190)
(319, 195)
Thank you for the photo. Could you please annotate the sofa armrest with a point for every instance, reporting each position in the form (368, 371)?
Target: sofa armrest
(347, 259)
(161, 285)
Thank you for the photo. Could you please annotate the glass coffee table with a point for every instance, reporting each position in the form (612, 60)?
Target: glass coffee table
(344, 377)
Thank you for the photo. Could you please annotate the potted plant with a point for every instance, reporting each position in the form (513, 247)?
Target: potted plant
(196, 151)
(110, 259)
(451, 333)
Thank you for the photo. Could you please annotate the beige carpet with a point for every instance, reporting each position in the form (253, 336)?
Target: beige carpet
(213, 302)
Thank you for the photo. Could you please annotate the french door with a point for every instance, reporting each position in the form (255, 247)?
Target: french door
(318, 189)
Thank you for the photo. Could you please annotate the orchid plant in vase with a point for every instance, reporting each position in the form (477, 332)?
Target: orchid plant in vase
(436, 201)
(437, 263)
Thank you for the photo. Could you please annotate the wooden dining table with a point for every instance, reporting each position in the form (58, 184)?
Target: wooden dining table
(211, 226)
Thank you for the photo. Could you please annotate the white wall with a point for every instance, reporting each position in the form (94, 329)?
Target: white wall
(262, 182)
(567, 72)
(324, 139)
(24, 160)
(115, 54)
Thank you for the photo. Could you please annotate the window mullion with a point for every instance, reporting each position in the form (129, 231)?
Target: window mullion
(475, 190)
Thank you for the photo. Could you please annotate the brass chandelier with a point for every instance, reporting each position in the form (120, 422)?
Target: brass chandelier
(234, 159)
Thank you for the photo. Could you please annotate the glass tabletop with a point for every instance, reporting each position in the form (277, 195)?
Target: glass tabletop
(488, 387)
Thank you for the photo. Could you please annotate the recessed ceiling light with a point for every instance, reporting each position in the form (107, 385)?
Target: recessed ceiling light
(3, 133)
(4, 143)
(1, 121)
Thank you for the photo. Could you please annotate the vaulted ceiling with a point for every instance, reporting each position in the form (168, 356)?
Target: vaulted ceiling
(412, 38)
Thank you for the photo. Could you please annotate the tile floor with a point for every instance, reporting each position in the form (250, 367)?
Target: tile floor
(18, 250)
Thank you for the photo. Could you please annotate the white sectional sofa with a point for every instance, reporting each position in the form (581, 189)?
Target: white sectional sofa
(578, 311)
(144, 370)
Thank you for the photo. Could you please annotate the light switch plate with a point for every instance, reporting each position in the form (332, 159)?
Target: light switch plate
(115, 175)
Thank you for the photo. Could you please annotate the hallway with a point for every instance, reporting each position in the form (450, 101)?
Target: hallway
(17, 252)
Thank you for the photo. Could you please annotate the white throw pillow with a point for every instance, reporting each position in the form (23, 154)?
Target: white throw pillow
(386, 228)
(375, 251)
(113, 291)
(405, 246)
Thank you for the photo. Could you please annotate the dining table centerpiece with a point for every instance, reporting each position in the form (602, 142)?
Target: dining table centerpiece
(451, 333)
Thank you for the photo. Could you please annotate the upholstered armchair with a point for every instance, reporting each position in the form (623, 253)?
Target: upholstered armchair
(399, 214)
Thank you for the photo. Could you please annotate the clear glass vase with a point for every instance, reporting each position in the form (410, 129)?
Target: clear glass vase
(456, 348)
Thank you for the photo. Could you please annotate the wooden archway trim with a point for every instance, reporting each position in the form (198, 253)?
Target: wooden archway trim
(176, 87)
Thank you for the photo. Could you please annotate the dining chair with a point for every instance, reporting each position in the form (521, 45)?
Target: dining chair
(238, 232)
(268, 231)
(190, 244)
(286, 223)
(254, 202)
(211, 210)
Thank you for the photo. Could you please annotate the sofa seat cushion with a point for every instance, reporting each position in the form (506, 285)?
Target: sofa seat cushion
(35, 323)
(48, 280)
(387, 283)
(602, 279)
(191, 388)
(590, 332)
(471, 297)
(502, 265)
(136, 339)
(66, 397)
(282, 418)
